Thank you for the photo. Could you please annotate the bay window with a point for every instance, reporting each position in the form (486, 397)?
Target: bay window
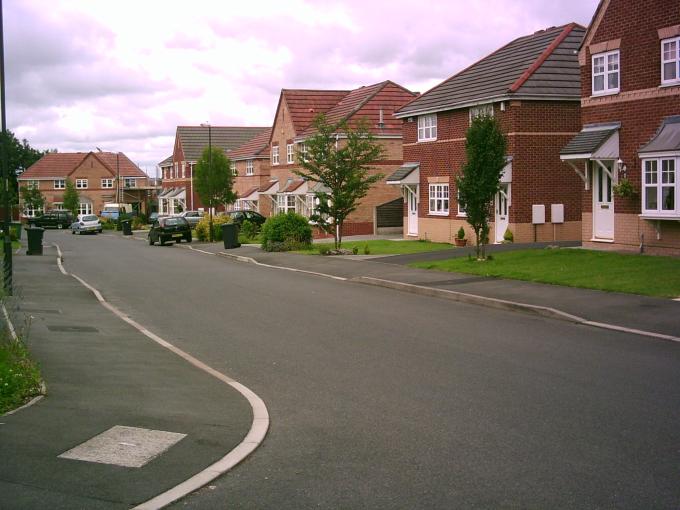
(660, 186)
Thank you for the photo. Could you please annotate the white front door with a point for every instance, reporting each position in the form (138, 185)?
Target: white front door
(412, 199)
(502, 213)
(603, 202)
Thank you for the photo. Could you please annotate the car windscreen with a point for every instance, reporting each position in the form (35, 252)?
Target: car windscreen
(173, 221)
(89, 217)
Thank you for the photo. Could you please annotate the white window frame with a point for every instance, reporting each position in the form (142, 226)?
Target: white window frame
(676, 60)
(605, 73)
(482, 109)
(129, 182)
(175, 172)
(81, 183)
(184, 169)
(30, 212)
(285, 202)
(427, 127)
(85, 208)
(107, 183)
(290, 153)
(250, 167)
(460, 211)
(57, 205)
(59, 183)
(233, 168)
(656, 181)
(33, 184)
(438, 199)
(275, 154)
(302, 149)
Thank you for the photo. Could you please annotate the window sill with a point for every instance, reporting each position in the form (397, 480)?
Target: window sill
(439, 214)
(600, 240)
(427, 140)
(670, 84)
(460, 215)
(605, 94)
(660, 217)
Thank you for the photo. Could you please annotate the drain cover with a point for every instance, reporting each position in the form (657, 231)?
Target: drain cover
(73, 329)
(124, 446)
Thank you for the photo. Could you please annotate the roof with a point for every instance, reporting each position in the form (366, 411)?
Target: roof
(367, 103)
(667, 138)
(292, 186)
(248, 193)
(194, 139)
(266, 186)
(305, 105)
(542, 65)
(403, 171)
(255, 147)
(166, 162)
(61, 164)
(591, 138)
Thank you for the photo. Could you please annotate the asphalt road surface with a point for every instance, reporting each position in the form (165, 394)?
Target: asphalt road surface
(383, 399)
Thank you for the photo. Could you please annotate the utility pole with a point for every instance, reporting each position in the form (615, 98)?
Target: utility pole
(117, 180)
(7, 240)
(210, 191)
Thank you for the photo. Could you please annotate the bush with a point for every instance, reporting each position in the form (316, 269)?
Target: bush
(461, 233)
(138, 223)
(19, 375)
(285, 232)
(203, 227)
(324, 249)
(108, 224)
(367, 250)
(249, 230)
(508, 237)
(355, 250)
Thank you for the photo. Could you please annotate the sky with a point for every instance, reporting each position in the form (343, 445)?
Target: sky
(122, 75)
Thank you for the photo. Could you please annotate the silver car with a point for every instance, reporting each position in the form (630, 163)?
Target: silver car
(192, 217)
(87, 223)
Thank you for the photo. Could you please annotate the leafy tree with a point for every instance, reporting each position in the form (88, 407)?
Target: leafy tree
(32, 198)
(213, 180)
(485, 148)
(20, 155)
(342, 167)
(71, 197)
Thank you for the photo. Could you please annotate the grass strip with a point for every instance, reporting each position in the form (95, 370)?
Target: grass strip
(19, 375)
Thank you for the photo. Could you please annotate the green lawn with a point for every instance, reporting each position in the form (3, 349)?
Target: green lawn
(384, 247)
(19, 376)
(635, 274)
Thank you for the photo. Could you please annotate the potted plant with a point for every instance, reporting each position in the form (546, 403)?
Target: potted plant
(460, 237)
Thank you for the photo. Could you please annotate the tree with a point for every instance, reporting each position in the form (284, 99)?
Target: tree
(485, 148)
(71, 198)
(20, 155)
(341, 168)
(32, 198)
(213, 180)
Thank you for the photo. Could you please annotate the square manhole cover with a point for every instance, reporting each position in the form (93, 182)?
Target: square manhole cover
(124, 446)
(73, 329)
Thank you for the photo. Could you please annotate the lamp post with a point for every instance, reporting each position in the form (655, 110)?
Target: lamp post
(210, 193)
(7, 241)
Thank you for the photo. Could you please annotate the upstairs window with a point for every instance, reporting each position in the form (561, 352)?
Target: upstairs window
(275, 155)
(234, 171)
(32, 184)
(484, 110)
(290, 153)
(250, 167)
(670, 61)
(81, 183)
(302, 148)
(59, 183)
(606, 73)
(130, 182)
(427, 128)
(107, 183)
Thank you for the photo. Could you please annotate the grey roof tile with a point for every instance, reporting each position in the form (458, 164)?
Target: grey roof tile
(194, 139)
(588, 140)
(667, 138)
(402, 172)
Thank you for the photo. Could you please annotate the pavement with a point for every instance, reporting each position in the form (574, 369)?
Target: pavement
(647, 314)
(102, 373)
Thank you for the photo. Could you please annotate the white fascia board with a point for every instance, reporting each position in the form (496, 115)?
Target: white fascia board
(57, 178)
(566, 157)
(654, 155)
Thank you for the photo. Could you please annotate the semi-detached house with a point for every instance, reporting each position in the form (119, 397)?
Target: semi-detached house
(532, 86)
(630, 107)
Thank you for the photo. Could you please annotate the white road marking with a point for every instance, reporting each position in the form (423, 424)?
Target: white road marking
(253, 439)
(251, 260)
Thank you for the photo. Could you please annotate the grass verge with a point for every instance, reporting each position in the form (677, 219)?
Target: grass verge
(19, 375)
(383, 247)
(614, 272)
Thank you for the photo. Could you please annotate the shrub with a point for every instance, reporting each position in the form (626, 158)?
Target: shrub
(324, 249)
(461, 233)
(203, 227)
(367, 250)
(138, 223)
(108, 224)
(508, 237)
(288, 231)
(249, 230)
(19, 375)
(355, 250)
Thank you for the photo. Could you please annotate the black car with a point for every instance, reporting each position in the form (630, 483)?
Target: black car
(238, 217)
(171, 228)
(58, 219)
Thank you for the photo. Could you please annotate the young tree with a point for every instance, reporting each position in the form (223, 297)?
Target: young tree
(20, 155)
(485, 147)
(71, 198)
(338, 157)
(213, 181)
(32, 198)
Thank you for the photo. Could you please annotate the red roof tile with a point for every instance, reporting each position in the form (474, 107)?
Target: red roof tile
(252, 148)
(61, 164)
(248, 193)
(293, 186)
(305, 105)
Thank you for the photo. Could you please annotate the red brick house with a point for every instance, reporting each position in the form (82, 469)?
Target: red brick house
(250, 164)
(292, 126)
(532, 86)
(630, 108)
(177, 193)
(99, 177)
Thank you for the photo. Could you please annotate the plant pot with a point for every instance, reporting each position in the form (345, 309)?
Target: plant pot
(460, 242)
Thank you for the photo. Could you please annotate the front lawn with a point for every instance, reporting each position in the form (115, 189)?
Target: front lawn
(616, 272)
(19, 376)
(383, 247)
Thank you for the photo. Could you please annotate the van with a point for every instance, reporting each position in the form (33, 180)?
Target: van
(113, 211)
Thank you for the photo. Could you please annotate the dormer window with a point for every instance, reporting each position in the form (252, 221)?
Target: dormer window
(606, 74)
(427, 127)
(670, 61)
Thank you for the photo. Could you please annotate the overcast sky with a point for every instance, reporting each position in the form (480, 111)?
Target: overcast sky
(122, 75)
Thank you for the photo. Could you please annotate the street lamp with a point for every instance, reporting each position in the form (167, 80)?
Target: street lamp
(210, 209)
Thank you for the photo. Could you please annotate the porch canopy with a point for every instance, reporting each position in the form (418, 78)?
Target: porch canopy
(250, 195)
(406, 174)
(595, 142)
(166, 192)
(666, 140)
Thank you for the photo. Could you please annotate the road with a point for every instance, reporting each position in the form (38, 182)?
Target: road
(383, 399)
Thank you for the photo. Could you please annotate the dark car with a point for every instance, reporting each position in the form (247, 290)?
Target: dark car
(239, 217)
(167, 229)
(58, 219)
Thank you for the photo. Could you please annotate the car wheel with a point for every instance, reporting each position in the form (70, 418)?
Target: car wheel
(188, 238)
(162, 241)
(73, 231)
(151, 243)
(60, 226)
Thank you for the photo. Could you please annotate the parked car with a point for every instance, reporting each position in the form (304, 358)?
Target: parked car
(238, 217)
(87, 223)
(153, 217)
(113, 211)
(172, 228)
(192, 217)
(56, 218)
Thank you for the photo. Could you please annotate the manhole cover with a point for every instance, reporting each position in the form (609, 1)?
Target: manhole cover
(124, 446)
(73, 329)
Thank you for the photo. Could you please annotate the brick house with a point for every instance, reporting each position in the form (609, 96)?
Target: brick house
(250, 164)
(532, 86)
(630, 106)
(292, 126)
(177, 193)
(100, 177)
